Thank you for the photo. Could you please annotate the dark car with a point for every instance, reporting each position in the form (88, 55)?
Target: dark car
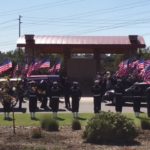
(38, 78)
(128, 93)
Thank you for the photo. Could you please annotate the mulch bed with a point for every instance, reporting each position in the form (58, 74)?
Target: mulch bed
(64, 139)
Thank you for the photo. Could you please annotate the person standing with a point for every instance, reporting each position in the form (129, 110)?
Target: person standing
(42, 93)
(20, 94)
(49, 86)
(75, 93)
(6, 101)
(118, 95)
(32, 99)
(55, 94)
(137, 100)
(96, 90)
(66, 91)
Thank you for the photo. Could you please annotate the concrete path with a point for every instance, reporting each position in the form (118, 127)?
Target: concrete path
(86, 106)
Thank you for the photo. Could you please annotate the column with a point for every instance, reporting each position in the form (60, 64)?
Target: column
(67, 55)
(97, 59)
(30, 48)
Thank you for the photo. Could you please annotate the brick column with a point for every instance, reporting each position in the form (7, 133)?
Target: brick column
(30, 48)
(97, 59)
(67, 55)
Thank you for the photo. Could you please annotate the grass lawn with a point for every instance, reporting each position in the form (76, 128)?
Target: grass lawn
(63, 118)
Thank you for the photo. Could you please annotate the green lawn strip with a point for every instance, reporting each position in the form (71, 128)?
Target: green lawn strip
(63, 118)
(137, 121)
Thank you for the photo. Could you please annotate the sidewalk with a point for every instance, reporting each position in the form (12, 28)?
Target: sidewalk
(86, 106)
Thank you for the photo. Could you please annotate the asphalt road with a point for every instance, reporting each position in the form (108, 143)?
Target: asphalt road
(86, 106)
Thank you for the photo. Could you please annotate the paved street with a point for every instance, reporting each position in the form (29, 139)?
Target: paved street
(86, 106)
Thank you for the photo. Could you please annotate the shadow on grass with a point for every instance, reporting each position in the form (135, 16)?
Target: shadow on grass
(8, 119)
(49, 110)
(145, 123)
(60, 119)
(23, 110)
(80, 118)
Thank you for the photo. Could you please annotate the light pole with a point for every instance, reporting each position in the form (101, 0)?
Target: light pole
(20, 25)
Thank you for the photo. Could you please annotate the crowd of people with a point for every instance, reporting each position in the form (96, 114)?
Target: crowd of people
(120, 84)
(48, 93)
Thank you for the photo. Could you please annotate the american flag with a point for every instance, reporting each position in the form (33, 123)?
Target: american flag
(34, 66)
(140, 65)
(133, 64)
(45, 64)
(52, 70)
(15, 70)
(29, 71)
(5, 66)
(123, 69)
(58, 66)
(147, 73)
(147, 63)
(147, 76)
(24, 70)
(55, 68)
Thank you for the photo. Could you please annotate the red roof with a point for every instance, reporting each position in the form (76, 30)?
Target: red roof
(83, 40)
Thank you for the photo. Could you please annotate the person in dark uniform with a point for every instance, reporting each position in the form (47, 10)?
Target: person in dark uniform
(148, 101)
(20, 94)
(66, 91)
(32, 99)
(119, 90)
(49, 86)
(136, 100)
(42, 94)
(25, 88)
(96, 90)
(75, 93)
(55, 94)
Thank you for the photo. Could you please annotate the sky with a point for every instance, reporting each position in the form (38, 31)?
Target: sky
(73, 17)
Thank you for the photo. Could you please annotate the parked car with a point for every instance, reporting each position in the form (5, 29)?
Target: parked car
(128, 95)
(38, 78)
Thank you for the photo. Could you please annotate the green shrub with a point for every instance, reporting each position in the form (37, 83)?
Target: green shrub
(36, 133)
(44, 121)
(49, 124)
(145, 123)
(76, 125)
(110, 127)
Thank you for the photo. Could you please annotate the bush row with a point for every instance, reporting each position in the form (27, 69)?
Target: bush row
(103, 127)
(110, 127)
